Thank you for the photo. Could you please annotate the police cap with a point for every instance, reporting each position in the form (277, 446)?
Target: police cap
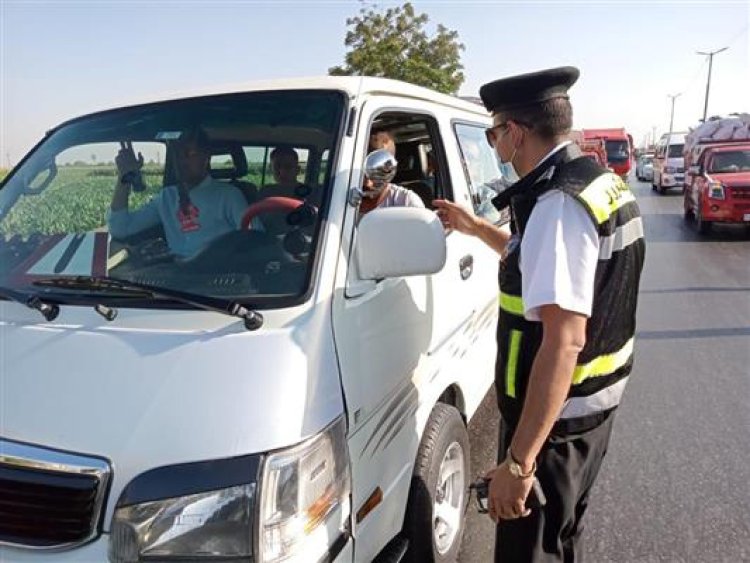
(528, 89)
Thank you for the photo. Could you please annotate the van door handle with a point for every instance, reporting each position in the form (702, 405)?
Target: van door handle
(466, 265)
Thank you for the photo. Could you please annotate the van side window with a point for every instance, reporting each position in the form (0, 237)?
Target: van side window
(481, 169)
(421, 165)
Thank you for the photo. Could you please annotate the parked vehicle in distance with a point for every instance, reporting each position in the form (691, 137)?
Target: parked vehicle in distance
(596, 150)
(718, 187)
(593, 149)
(618, 146)
(644, 167)
(298, 395)
(669, 163)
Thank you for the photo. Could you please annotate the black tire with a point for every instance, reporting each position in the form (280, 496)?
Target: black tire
(688, 213)
(701, 225)
(445, 430)
(687, 206)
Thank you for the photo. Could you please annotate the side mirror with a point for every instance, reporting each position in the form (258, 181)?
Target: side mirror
(381, 167)
(41, 180)
(399, 241)
(694, 170)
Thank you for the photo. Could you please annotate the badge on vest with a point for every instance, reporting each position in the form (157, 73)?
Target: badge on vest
(188, 218)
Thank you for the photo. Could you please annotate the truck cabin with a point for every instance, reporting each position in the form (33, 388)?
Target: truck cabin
(728, 160)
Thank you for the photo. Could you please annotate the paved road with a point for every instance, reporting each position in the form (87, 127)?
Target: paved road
(675, 486)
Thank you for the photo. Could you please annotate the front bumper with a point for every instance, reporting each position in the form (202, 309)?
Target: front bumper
(726, 212)
(96, 552)
(672, 180)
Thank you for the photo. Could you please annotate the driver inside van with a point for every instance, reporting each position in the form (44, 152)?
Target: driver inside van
(194, 211)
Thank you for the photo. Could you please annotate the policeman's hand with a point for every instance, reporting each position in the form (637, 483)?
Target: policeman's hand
(507, 494)
(127, 163)
(455, 217)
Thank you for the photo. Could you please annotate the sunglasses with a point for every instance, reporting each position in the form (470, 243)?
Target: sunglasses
(493, 137)
(284, 166)
(190, 152)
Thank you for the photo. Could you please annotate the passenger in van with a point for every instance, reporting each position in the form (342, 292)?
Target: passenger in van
(431, 171)
(378, 191)
(193, 212)
(569, 278)
(383, 193)
(285, 167)
(382, 140)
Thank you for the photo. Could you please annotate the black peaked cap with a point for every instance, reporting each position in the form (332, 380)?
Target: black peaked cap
(528, 89)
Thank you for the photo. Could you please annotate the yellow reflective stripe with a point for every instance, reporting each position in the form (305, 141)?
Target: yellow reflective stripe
(512, 304)
(603, 365)
(605, 195)
(512, 363)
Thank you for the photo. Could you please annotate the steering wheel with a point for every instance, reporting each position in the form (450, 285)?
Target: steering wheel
(269, 205)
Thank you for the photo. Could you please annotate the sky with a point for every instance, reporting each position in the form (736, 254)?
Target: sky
(61, 59)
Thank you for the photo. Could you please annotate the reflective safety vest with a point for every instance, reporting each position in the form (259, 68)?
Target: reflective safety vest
(606, 360)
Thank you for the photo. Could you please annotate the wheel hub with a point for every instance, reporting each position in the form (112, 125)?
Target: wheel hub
(449, 498)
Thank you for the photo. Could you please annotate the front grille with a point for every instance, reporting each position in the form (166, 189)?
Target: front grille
(49, 499)
(740, 193)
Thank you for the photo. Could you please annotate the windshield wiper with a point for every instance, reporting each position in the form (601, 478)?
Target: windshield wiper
(252, 319)
(49, 311)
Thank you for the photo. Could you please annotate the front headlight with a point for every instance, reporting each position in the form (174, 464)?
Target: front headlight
(715, 190)
(305, 498)
(213, 526)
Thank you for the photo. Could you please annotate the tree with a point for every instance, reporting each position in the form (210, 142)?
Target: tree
(395, 45)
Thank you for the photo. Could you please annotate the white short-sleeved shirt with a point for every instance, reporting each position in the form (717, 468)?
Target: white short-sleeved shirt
(559, 254)
(396, 196)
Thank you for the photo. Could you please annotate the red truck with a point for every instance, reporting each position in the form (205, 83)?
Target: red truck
(717, 183)
(595, 149)
(619, 147)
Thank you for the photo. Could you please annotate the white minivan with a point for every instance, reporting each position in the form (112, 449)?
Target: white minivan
(669, 163)
(298, 389)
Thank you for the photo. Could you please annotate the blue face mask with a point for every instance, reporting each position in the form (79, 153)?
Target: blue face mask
(507, 169)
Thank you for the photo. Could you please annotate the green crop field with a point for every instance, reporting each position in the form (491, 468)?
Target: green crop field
(78, 197)
(75, 201)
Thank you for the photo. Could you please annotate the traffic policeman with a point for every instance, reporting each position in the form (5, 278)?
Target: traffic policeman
(569, 274)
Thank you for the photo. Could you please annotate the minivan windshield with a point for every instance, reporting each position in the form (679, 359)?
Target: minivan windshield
(219, 196)
(675, 151)
(617, 151)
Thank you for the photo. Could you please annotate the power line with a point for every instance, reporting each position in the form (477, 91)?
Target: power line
(695, 76)
(737, 36)
(710, 56)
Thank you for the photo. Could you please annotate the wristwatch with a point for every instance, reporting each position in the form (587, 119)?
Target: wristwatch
(515, 467)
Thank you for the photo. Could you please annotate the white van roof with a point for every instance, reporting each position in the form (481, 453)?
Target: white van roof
(351, 85)
(674, 138)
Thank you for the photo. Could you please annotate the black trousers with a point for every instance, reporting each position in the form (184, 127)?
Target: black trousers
(567, 467)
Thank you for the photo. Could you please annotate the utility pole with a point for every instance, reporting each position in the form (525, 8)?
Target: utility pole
(710, 56)
(671, 117)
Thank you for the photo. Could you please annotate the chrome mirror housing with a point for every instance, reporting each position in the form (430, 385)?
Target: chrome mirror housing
(380, 167)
